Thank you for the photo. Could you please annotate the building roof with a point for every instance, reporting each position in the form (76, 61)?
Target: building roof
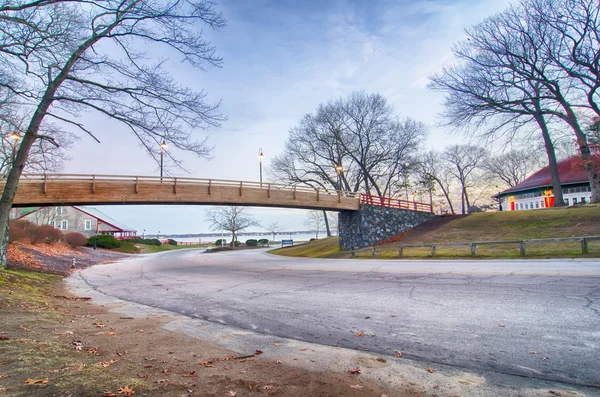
(570, 171)
(96, 213)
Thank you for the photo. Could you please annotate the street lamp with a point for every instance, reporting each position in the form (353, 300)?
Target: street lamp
(163, 147)
(15, 137)
(261, 156)
(339, 169)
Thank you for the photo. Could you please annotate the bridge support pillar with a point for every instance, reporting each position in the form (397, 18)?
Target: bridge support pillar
(373, 224)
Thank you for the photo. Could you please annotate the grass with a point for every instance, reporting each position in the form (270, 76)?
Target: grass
(324, 248)
(149, 249)
(492, 226)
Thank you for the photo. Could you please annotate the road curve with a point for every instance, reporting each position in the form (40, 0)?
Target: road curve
(534, 318)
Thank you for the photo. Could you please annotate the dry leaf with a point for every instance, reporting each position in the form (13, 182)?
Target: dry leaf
(99, 325)
(267, 387)
(126, 391)
(359, 334)
(277, 344)
(356, 386)
(532, 352)
(231, 393)
(398, 354)
(109, 394)
(250, 387)
(24, 328)
(140, 375)
(36, 381)
(105, 364)
(354, 371)
(501, 325)
(430, 370)
(190, 373)
(148, 366)
(258, 353)
(545, 358)
(279, 362)
(4, 338)
(302, 350)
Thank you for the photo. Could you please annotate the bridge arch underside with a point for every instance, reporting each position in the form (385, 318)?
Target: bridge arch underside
(74, 192)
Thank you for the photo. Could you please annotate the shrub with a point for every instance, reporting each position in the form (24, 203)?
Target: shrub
(237, 243)
(218, 243)
(19, 229)
(76, 239)
(473, 209)
(312, 239)
(45, 234)
(104, 241)
(251, 242)
(263, 241)
(172, 242)
(146, 241)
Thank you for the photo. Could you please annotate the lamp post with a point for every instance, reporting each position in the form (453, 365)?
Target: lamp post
(158, 236)
(163, 147)
(144, 234)
(15, 137)
(338, 170)
(261, 156)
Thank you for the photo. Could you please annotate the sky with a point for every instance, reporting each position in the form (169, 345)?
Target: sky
(281, 59)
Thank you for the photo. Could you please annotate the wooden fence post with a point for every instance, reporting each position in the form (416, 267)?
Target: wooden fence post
(352, 252)
(433, 251)
(373, 252)
(473, 250)
(584, 246)
(400, 251)
(522, 248)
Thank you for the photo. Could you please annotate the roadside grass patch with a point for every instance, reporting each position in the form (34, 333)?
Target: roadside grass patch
(323, 248)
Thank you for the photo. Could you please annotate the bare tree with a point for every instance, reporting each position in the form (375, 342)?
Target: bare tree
(511, 167)
(273, 228)
(315, 221)
(361, 136)
(432, 168)
(66, 57)
(465, 162)
(233, 219)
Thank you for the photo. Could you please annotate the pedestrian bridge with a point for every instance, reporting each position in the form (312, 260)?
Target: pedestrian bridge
(78, 189)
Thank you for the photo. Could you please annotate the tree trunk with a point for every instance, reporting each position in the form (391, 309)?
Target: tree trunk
(327, 223)
(467, 201)
(232, 239)
(462, 201)
(552, 164)
(447, 195)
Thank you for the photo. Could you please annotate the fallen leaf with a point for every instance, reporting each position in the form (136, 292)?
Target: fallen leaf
(267, 387)
(190, 373)
(359, 334)
(501, 325)
(24, 328)
(162, 381)
(165, 371)
(4, 338)
(554, 393)
(140, 375)
(258, 353)
(36, 381)
(393, 315)
(99, 325)
(279, 362)
(140, 330)
(356, 386)
(231, 393)
(532, 352)
(430, 370)
(302, 350)
(126, 391)
(354, 371)
(545, 358)
(148, 366)
(398, 354)
(105, 364)
(250, 386)
(277, 344)
(109, 394)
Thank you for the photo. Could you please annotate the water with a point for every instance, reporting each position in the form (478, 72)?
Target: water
(299, 237)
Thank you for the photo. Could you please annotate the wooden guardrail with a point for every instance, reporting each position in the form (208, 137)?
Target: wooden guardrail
(522, 244)
(395, 203)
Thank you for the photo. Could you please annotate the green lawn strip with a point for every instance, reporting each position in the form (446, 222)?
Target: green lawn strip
(149, 249)
(322, 248)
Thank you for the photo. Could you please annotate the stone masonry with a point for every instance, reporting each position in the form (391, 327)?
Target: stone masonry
(373, 224)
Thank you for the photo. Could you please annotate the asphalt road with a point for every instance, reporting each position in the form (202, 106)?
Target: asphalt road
(535, 318)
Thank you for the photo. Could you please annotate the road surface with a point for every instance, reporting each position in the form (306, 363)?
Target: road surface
(535, 318)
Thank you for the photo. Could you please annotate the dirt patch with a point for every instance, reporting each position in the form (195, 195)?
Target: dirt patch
(53, 344)
(58, 259)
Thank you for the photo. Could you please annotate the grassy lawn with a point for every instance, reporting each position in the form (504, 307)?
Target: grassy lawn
(132, 248)
(492, 226)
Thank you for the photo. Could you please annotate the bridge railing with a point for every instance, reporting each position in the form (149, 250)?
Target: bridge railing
(395, 203)
(181, 180)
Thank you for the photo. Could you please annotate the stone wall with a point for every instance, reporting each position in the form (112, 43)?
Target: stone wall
(373, 224)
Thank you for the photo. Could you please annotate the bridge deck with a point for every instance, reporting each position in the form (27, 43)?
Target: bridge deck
(74, 189)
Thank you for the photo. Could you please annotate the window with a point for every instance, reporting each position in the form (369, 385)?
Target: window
(64, 225)
(566, 200)
(88, 225)
(574, 200)
(59, 210)
(53, 223)
(537, 205)
(583, 200)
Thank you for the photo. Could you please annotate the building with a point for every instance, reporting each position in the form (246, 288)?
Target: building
(537, 192)
(85, 220)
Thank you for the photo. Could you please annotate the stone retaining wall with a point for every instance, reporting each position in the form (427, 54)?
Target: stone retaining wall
(373, 224)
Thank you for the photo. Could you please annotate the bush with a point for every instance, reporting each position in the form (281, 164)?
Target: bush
(312, 239)
(473, 209)
(76, 239)
(237, 243)
(104, 241)
(19, 229)
(146, 241)
(172, 242)
(45, 234)
(251, 242)
(263, 241)
(218, 243)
